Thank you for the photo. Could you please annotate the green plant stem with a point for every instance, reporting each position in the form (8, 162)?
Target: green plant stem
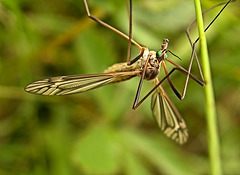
(211, 118)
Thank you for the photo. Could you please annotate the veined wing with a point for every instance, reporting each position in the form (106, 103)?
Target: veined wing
(168, 117)
(65, 85)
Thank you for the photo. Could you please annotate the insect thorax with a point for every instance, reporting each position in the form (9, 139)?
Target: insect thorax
(153, 66)
(152, 69)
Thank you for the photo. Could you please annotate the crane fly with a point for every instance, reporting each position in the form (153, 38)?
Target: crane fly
(146, 65)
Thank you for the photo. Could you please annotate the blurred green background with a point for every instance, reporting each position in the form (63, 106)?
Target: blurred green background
(97, 132)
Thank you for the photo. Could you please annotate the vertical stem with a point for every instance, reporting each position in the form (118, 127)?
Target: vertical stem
(211, 118)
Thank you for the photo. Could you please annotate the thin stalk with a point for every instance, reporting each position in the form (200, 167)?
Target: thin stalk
(211, 117)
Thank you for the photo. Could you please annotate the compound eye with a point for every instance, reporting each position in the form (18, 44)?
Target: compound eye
(159, 53)
(166, 56)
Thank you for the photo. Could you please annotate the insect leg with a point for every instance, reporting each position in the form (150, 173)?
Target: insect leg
(160, 82)
(193, 45)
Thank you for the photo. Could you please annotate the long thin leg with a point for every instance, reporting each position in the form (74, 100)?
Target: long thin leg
(130, 31)
(170, 82)
(140, 83)
(193, 45)
(109, 27)
(190, 26)
(130, 62)
(175, 68)
(202, 83)
(138, 57)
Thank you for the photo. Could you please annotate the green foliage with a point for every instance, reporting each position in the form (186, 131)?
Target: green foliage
(97, 132)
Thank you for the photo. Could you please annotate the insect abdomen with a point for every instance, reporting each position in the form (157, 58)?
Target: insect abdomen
(122, 67)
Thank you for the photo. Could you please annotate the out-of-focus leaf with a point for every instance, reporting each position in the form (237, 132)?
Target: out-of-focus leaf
(164, 156)
(96, 151)
(134, 165)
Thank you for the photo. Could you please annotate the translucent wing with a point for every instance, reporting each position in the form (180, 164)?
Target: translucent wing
(65, 85)
(168, 117)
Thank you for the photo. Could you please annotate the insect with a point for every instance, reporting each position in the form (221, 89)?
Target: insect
(146, 65)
